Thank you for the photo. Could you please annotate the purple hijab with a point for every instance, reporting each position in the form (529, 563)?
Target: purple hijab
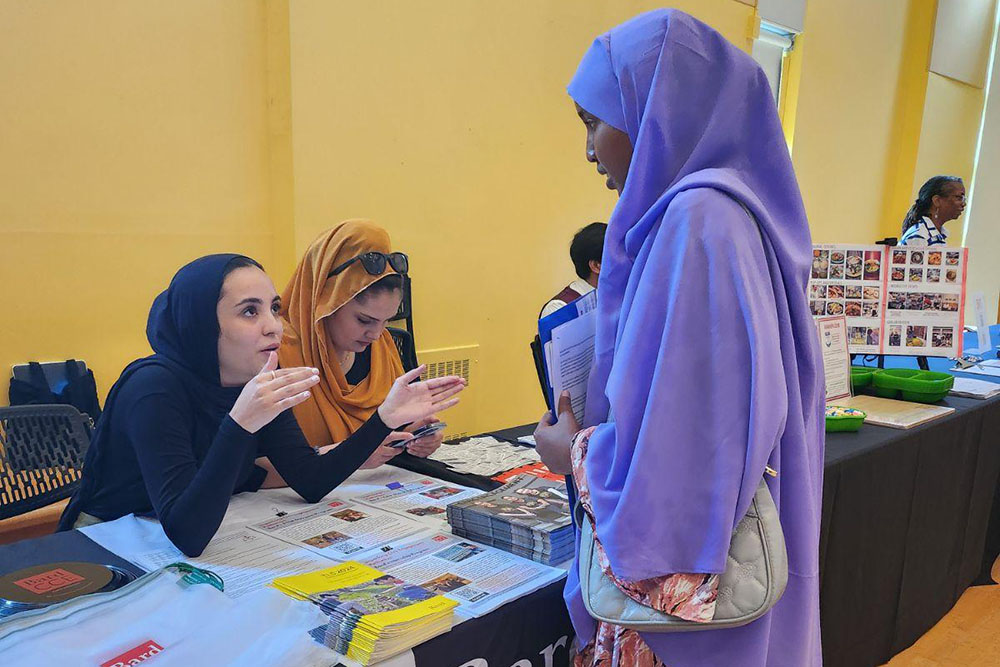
(706, 355)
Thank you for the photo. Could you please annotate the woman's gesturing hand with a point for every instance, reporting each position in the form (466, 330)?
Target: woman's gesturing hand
(271, 392)
(408, 402)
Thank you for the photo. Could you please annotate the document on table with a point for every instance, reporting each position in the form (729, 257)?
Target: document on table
(989, 367)
(245, 560)
(478, 577)
(341, 529)
(484, 456)
(425, 500)
(970, 388)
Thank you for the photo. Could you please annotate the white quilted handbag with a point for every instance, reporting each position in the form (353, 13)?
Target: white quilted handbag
(755, 577)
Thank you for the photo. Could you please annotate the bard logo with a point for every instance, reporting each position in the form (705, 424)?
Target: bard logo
(135, 656)
(46, 582)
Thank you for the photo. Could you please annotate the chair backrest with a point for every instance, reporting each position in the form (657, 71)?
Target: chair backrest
(41, 455)
(404, 343)
(405, 311)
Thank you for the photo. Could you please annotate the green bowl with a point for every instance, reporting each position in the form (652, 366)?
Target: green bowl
(860, 377)
(851, 421)
(912, 385)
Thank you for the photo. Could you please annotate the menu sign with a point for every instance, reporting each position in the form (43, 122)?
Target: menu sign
(907, 301)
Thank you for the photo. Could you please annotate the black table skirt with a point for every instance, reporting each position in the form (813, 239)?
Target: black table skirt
(904, 531)
(910, 519)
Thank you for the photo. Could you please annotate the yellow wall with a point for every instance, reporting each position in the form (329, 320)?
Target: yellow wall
(952, 115)
(451, 127)
(133, 140)
(851, 68)
(137, 136)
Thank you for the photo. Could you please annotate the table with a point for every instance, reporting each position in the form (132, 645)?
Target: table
(910, 520)
(531, 631)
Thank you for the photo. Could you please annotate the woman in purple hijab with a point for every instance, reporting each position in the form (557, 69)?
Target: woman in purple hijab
(707, 365)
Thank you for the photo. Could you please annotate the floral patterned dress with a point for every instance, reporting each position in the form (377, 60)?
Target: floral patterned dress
(688, 596)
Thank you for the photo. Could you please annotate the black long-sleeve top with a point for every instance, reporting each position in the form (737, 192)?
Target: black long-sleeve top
(166, 458)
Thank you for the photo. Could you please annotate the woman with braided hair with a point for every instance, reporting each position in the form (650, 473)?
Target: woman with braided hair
(940, 200)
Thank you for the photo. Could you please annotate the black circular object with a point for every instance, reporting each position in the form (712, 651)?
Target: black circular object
(39, 586)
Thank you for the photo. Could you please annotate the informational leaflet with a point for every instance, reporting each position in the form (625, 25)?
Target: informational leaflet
(970, 388)
(925, 302)
(836, 359)
(484, 455)
(904, 301)
(341, 529)
(426, 499)
(572, 344)
(571, 359)
(847, 280)
(245, 560)
(478, 577)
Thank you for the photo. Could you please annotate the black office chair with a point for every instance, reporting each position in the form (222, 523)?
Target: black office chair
(405, 311)
(41, 456)
(404, 344)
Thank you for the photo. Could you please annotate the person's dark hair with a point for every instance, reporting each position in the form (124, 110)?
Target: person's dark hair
(237, 263)
(387, 283)
(922, 205)
(587, 245)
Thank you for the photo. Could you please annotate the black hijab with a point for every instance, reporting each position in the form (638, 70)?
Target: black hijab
(183, 330)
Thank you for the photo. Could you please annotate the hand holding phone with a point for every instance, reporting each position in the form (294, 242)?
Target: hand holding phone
(423, 431)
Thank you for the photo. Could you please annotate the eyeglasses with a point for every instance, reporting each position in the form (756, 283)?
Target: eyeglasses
(374, 263)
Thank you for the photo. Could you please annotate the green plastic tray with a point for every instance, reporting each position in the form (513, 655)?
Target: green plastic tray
(844, 423)
(860, 377)
(912, 385)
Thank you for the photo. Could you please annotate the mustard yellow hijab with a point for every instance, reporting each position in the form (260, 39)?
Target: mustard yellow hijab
(336, 409)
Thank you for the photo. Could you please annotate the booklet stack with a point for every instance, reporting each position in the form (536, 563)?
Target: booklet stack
(529, 516)
(373, 616)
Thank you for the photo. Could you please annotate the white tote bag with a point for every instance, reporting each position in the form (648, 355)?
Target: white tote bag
(166, 620)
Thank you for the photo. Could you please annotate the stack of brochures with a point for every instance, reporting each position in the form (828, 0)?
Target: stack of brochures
(372, 615)
(529, 516)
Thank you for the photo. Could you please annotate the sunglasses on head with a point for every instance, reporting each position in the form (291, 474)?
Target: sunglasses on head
(374, 263)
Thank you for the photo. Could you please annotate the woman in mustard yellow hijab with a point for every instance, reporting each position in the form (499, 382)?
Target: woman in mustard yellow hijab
(347, 286)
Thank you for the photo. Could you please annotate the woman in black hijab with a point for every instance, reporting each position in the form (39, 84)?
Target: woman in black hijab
(181, 428)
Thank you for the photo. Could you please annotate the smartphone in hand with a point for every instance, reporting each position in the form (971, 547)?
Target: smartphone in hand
(421, 432)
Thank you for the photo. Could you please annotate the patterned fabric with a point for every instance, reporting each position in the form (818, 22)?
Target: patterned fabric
(688, 596)
(924, 233)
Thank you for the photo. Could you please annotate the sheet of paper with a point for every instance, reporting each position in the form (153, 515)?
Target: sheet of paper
(248, 508)
(528, 440)
(836, 358)
(341, 529)
(983, 369)
(247, 561)
(572, 358)
(478, 577)
(982, 328)
(484, 455)
(896, 414)
(425, 500)
(975, 388)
